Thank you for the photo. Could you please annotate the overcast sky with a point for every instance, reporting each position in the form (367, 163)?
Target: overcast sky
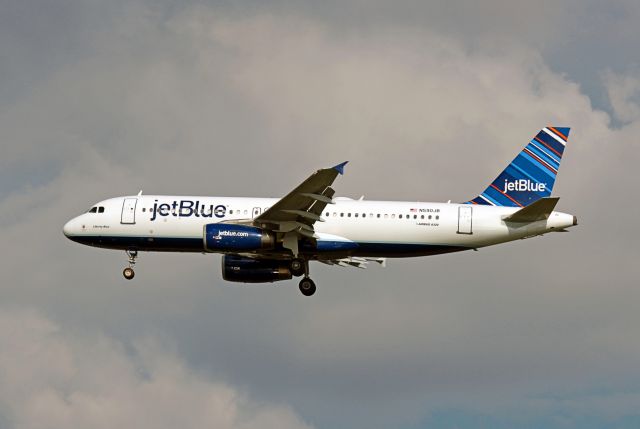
(428, 102)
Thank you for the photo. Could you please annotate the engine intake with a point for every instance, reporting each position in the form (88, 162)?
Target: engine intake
(248, 270)
(226, 237)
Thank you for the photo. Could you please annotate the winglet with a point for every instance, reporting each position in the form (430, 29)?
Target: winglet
(340, 167)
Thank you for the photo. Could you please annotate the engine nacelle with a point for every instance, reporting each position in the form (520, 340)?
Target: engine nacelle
(247, 270)
(227, 237)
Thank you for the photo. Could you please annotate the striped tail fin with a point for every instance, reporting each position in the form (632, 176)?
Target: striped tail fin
(531, 175)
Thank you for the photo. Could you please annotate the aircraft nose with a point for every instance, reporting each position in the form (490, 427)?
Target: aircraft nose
(69, 228)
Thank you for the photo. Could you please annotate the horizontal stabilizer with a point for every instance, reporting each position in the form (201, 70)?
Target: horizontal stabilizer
(540, 210)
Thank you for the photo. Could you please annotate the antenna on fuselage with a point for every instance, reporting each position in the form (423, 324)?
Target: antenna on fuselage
(140, 193)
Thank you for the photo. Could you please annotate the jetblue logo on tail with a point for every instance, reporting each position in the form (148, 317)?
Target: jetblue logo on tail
(524, 185)
(531, 175)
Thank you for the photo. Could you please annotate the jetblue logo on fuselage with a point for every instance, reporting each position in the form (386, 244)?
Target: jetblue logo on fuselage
(524, 185)
(187, 208)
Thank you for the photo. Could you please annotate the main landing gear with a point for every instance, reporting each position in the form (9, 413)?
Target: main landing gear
(307, 286)
(300, 267)
(128, 272)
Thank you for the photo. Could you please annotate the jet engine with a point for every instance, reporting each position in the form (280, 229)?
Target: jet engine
(226, 237)
(249, 270)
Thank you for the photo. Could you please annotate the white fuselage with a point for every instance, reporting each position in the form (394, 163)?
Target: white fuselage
(379, 228)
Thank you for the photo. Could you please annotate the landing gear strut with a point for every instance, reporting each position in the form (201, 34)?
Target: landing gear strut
(128, 272)
(300, 267)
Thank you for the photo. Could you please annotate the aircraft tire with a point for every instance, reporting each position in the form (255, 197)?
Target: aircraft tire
(128, 273)
(307, 286)
(297, 267)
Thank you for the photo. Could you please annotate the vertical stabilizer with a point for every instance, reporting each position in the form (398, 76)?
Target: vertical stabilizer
(531, 175)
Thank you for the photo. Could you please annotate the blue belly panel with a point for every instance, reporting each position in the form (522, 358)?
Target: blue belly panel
(339, 249)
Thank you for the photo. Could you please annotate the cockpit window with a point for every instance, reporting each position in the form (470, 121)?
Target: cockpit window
(100, 209)
(93, 209)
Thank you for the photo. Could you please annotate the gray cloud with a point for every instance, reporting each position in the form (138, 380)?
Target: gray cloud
(56, 378)
(228, 100)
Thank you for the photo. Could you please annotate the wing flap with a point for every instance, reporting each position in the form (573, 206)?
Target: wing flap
(305, 214)
(354, 261)
(318, 197)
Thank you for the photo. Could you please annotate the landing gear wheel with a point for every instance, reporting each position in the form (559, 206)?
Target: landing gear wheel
(307, 286)
(128, 273)
(297, 267)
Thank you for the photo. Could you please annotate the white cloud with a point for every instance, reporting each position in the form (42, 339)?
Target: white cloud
(51, 378)
(624, 95)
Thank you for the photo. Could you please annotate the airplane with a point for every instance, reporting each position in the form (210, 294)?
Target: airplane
(268, 239)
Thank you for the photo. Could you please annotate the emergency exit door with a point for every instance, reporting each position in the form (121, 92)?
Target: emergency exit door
(465, 220)
(129, 210)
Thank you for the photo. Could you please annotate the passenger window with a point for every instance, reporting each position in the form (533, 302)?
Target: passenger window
(100, 209)
(399, 216)
(422, 217)
(429, 217)
(415, 216)
(348, 214)
(93, 209)
(356, 214)
(327, 214)
(341, 214)
(386, 216)
(393, 216)
(364, 215)
(246, 212)
(230, 211)
(437, 217)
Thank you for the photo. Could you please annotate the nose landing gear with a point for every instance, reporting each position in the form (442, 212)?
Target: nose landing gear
(128, 272)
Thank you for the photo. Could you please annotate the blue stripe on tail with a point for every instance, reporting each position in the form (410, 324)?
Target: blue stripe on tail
(531, 175)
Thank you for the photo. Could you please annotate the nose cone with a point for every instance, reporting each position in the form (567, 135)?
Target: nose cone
(69, 228)
(66, 229)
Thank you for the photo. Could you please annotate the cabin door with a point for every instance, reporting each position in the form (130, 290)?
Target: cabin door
(465, 220)
(129, 210)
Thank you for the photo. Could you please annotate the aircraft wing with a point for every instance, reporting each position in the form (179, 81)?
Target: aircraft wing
(297, 212)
